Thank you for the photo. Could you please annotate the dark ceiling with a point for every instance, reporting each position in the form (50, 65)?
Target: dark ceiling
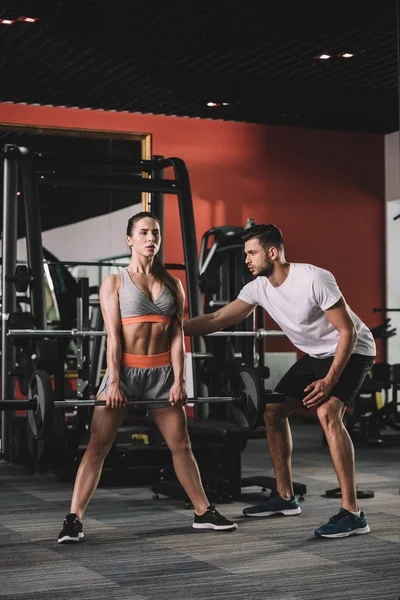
(173, 58)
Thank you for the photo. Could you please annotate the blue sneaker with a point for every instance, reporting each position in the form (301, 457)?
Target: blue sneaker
(274, 506)
(343, 524)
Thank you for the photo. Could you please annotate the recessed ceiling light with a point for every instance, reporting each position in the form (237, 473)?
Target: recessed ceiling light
(323, 56)
(346, 55)
(28, 19)
(6, 22)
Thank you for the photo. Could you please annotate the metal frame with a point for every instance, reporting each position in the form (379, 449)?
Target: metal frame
(83, 346)
(8, 295)
(157, 202)
(15, 157)
(17, 160)
(34, 244)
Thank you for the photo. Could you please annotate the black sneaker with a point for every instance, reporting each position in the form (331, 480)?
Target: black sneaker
(212, 519)
(72, 530)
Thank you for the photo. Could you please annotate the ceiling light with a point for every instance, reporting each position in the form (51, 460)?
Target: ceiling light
(28, 19)
(6, 22)
(213, 104)
(323, 56)
(346, 55)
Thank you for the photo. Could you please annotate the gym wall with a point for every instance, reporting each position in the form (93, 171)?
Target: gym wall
(324, 189)
(392, 193)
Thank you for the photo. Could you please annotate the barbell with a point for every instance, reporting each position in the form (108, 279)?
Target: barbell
(247, 402)
(75, 333)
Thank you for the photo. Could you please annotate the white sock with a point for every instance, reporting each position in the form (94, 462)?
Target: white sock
(356, 513)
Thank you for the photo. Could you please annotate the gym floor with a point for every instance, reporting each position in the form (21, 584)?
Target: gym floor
(141, 549)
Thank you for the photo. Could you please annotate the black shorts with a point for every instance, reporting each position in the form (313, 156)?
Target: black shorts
(308, 369)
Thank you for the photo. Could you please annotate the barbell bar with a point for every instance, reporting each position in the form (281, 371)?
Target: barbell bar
(247, 402)
(32, 404)
(203, 355)
(72, 333)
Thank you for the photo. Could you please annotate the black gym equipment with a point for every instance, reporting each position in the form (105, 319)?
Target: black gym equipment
(222, 275)
(375, 417)
(19, 161)
(361, 494)
(18, 167)
(383, 331)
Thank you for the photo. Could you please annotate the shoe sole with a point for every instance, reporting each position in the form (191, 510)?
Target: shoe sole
(288, 512)
(359, 531)
(214, 527)
(68, 538)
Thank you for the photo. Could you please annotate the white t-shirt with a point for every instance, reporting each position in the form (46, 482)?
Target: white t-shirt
(298, 306)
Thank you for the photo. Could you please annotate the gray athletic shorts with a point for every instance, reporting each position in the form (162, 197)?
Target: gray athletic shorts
(150, 383)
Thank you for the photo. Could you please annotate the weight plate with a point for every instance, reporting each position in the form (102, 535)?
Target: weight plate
(41, 390)
(247, 413)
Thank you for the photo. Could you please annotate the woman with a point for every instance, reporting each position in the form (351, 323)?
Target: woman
(143, 314)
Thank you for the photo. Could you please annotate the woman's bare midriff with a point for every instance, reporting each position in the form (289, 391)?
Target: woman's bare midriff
(145, 338)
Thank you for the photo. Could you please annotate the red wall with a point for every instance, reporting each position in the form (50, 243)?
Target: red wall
(325, 190)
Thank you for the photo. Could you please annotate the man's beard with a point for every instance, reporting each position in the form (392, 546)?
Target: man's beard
(267, 270)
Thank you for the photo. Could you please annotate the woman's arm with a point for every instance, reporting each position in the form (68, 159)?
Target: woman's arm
(110, 309)
(178, 393)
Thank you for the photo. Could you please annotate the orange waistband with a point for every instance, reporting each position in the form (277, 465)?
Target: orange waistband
(146, 319)
(149, 361)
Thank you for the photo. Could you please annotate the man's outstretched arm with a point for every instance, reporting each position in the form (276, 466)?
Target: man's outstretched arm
(226, 316)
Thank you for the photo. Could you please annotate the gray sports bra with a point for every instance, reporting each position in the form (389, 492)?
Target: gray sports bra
(134, 303)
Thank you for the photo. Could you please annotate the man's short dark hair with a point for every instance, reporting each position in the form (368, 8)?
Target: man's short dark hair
(267, 235)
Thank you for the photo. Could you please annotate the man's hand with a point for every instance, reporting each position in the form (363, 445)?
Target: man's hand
(116, 397)
(178, 394)
(319, 392)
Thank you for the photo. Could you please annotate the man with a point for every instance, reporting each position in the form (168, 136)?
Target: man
(339, 350)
